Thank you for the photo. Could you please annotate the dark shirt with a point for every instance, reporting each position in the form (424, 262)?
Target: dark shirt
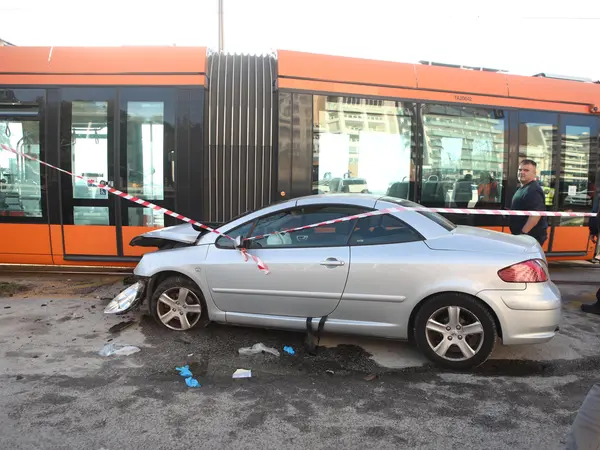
(529, 198)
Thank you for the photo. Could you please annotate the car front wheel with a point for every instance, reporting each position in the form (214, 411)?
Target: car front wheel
(177, 303)
(455, 331)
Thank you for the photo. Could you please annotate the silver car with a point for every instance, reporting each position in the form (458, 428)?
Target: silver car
(452, 290)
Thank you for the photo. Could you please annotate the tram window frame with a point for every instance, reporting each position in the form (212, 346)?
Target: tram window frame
(28, 105)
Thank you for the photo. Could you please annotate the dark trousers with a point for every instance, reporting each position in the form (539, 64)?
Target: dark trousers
(585, 430)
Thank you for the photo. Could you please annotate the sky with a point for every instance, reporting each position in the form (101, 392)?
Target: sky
(521, 36)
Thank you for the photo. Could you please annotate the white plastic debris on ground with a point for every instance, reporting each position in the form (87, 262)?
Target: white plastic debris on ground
(257, 348)
(119, 350)
(242, 373)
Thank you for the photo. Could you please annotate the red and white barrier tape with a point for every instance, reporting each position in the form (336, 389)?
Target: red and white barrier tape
(259, 262)
(261, 265)
(379, 212)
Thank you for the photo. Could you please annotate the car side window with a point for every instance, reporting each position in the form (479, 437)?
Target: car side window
(242, 230)
(383, 229)
(324, 236)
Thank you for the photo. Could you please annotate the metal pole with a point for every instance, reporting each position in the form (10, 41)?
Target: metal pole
(220, 25)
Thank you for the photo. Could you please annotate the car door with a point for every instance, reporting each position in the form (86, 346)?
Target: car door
(308, 269)
(389, 260)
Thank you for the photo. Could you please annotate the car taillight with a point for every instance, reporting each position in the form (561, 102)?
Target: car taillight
(532, 271)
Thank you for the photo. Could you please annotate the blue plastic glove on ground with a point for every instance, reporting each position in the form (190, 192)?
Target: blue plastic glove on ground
(184, 371)
(192, 382)
(289, 350)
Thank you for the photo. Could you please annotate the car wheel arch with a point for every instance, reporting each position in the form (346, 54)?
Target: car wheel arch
(415, 311)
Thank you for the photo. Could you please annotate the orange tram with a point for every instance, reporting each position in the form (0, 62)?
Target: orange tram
(211, 135)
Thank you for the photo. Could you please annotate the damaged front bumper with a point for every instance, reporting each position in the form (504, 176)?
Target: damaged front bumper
(127, 299)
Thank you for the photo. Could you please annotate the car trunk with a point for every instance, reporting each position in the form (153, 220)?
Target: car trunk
(465, 238)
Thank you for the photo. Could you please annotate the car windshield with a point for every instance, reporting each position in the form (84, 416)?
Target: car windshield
(437, 218)
(246, 213)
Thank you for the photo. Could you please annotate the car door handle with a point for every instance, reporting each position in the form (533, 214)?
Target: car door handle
(332, 262)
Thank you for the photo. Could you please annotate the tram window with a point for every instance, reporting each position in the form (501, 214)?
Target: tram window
(20, 179)
(90, 215)
(145, 217)
(89, 147)
(362, 146)
(576, 191)
(464, 156)
(146, 150)
(536, 142)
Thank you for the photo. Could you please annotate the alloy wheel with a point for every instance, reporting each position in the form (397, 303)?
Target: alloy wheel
(179, 308)
(454, 333)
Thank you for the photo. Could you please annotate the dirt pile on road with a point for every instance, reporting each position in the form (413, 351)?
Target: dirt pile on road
(59, 285)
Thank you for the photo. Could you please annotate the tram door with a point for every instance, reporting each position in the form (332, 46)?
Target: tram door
(576, 185)
(87, 148)
(564, 146)
(124, 137)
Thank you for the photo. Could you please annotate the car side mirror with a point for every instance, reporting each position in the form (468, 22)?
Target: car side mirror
(240, 242)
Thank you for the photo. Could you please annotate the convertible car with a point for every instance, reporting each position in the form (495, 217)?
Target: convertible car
(452, 290)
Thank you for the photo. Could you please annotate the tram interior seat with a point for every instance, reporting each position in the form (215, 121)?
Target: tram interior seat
(463, 191)
(434, 191)
(399, 189)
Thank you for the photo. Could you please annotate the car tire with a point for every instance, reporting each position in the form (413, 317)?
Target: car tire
(178, 304)
(455, 344)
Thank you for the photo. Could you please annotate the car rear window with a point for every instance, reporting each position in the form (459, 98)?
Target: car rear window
(437, 218)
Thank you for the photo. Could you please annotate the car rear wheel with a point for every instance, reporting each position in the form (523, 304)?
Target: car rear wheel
(177, 304)
(455, 331)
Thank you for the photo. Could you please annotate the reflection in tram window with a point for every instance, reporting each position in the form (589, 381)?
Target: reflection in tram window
(537, 143)
(145, 217)
(362, 146)
(145, 149)
(20, 181)
(91, 215)
(89, 134)
(576, 191)
(463, 156)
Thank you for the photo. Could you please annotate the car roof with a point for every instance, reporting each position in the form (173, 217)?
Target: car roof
(341, 198)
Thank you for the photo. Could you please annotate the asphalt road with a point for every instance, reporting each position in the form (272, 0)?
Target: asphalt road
(57, 392)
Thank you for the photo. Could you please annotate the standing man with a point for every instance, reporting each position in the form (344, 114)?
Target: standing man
(593, 308)
(529, 197)
(593, 226)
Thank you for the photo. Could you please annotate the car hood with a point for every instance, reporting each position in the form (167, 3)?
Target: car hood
(472, 239)
(184, 234)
